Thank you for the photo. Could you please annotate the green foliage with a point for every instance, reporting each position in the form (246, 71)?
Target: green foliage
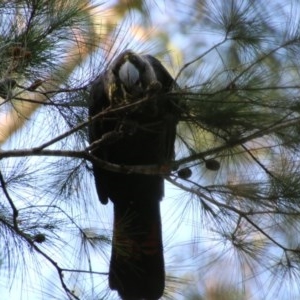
(237, 156)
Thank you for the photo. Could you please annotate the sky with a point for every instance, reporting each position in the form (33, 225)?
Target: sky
(181, 220)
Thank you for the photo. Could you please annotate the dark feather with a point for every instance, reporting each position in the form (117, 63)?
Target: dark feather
(144, 134)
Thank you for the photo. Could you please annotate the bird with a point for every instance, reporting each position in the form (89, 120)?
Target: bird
(136, 127)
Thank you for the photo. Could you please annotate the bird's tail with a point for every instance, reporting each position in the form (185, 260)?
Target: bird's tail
(137, 263)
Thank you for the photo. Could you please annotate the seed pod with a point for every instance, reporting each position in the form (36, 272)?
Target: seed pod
(184, 173)
(39, 238)
(212, 165)
(35, 85)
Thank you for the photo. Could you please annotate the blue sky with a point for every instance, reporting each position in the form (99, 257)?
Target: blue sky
(184, 234)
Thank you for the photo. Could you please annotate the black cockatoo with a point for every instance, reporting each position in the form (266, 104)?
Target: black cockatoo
(139, 128)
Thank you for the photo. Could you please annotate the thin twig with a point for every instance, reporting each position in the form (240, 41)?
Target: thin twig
(259, 133)
(231, 208)
(46, 256)
(11, 203)
(199, 57)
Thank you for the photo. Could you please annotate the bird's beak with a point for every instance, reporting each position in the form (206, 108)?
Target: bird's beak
(129, 74)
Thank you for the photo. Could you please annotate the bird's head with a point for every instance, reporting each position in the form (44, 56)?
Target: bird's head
(134, 71)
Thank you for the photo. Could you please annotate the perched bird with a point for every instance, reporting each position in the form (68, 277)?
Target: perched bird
(137, 128)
